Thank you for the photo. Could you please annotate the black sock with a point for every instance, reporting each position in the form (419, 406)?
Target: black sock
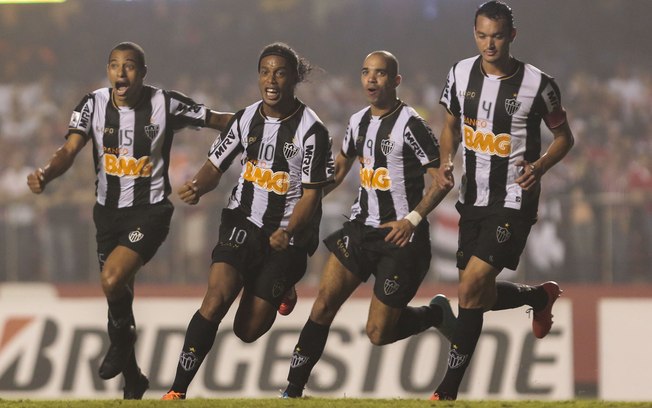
(469, 327)
(512, 295)
(307, 352)
(414, 320)
(200, 337)
(131, 371)
(120, 315)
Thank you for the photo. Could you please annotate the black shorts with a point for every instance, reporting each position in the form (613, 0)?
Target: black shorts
(266, 273)
(399, 271)
(496, 237)
(142, 229)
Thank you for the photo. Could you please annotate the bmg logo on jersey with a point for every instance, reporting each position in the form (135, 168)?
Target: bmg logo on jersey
(487, 142)
(127, 166)
(273, 181)
(377, 179)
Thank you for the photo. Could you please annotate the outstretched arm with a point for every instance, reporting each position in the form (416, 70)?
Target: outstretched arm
(218, 120)
(60, 162)
(206, 179)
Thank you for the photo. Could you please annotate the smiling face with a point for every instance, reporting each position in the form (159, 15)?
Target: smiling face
(277, 81)
(126, 75)
(379, 80)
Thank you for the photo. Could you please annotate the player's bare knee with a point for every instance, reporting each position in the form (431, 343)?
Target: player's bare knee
(322, 312)
(377, 336)
(246, 334)
(112, 281)
(209, 309)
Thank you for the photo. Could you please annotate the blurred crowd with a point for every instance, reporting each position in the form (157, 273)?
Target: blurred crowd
(596, 212)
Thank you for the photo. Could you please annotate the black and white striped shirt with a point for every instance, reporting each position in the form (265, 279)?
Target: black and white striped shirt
(132, 145)
(393, 151)
(279, 159)
(500, 119)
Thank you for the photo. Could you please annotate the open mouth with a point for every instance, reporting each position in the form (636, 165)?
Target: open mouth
(272, 93)
(121, 88)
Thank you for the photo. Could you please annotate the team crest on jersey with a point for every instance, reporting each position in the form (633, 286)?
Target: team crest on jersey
(135, 236)
(151, 130)
(386, 146)
(290, 150)
(512, 106)
(390, 287)
(503, 234)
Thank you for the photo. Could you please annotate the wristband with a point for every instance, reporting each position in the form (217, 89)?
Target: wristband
(414, 218)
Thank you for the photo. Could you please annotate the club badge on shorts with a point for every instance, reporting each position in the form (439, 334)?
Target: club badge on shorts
(135, 236)
(390, 287)
(503, 234)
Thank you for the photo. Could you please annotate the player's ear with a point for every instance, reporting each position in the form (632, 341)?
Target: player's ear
(144, 71)
(512, 35)
(397, 80)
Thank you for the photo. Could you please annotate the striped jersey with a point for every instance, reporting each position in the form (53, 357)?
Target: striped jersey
(131, 146)
(500, 118)
(279, 159)
(394, 151)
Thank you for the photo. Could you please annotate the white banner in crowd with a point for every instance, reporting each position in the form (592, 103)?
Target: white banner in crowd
(624, 349)
(51, 348)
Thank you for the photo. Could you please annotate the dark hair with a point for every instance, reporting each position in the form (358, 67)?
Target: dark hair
(301, 66)
(495, 10)
(130, 46)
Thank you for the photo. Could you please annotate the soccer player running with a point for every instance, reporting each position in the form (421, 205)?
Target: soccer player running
(495, 105)
(131, 126)
(271, 222)
(388, 234)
